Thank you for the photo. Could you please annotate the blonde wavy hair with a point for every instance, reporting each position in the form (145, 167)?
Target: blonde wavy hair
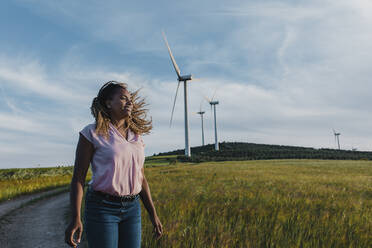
(136, 121)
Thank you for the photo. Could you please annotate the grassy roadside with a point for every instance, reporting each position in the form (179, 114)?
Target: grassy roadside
(17, 182)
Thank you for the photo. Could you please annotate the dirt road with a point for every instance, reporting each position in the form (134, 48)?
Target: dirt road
(40, 224)
(7, 207)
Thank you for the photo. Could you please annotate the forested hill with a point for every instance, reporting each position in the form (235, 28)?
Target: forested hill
(251, 151)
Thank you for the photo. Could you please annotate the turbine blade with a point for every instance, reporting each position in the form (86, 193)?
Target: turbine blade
(174, 103)
(171, 56)
(206, 98)
(214, 94)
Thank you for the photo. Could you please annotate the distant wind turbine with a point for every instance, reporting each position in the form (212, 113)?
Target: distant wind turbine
(214, 103)
(201, 113)
(184, 79)
(337, 140)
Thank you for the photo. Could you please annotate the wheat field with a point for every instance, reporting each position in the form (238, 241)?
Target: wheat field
(272, 203)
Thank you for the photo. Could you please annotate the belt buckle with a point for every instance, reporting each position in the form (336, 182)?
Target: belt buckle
(127, 198)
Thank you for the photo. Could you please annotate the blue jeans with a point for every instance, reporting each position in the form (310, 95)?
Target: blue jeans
(111, 224)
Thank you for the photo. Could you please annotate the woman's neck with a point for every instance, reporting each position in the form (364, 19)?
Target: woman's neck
(118, 123)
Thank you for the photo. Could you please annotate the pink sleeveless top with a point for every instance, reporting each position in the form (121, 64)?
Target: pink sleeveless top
(116, 162)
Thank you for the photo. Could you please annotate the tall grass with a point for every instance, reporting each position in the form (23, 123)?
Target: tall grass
(282, 203)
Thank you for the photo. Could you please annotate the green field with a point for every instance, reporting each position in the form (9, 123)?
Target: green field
(265, 203)
(272, 203)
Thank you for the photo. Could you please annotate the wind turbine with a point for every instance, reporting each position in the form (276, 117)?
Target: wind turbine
(184, 79)
(214, 103)
(201, 113)
(337, 140)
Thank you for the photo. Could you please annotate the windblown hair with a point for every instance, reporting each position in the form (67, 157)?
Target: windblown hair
(137, 121)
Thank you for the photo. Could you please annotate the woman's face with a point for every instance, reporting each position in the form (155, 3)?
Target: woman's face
(120, 105)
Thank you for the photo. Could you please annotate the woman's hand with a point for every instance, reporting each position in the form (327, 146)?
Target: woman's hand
(158, 228)
(74, 227)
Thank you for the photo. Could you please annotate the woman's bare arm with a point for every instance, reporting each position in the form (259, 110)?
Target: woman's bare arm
(149, 205)
(84, 153)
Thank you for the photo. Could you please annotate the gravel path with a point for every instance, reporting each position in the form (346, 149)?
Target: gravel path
(7, 207)
(39, 224)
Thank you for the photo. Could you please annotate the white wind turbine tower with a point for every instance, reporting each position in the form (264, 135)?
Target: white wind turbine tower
(214, 103)
(201, 113)
(337, 140)
(184, 79)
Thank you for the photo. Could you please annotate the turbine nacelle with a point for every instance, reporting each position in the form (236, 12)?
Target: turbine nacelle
(337, 140)
(336, 134)
(213, 102)
(185, 78)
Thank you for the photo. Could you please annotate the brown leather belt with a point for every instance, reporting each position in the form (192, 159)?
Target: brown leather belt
(116, 198)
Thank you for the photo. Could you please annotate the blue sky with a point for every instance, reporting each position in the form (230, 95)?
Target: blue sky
(285, 72)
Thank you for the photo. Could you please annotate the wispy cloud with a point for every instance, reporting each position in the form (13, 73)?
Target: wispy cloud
(30, 76)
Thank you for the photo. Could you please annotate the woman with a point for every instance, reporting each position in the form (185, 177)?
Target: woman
(114, 147)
